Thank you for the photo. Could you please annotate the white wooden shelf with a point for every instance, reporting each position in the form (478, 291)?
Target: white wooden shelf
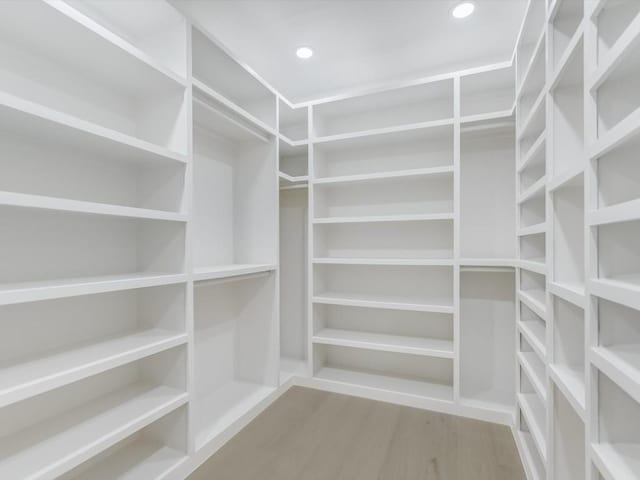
(428, 347)
(538, 49)
(535, 416)
(621, 363)
(531, 457)
(535, 190)
(533, 266)
(383, 261)
(528, 361)
(201, 274)
(292, 179)
(11, 293)
(535, 153)
(42, 202)
(534, 302)
(565, 59)
(142, 458)
(624, 289)
(415, 388)
(417, 172)
(49, 449)
(533, 124)
(29, 119)
(618, 461)
(221, 408)
(571, 292)
(569, 178)
(535, 334)
(488, 263)
(623, 131)
(622, 212)
(39, 374)
(571, 383)
(386, 218)
(371, 301)
(533, 229)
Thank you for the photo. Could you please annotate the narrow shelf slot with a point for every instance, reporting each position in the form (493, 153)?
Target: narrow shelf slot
(568, 440)
(532, 29)
(564, 25)
(534, 329)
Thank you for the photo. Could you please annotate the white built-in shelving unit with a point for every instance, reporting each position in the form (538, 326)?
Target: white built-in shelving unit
(193, 243)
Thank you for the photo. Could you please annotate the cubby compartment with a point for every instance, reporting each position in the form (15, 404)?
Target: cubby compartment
(418, 333)
(619, 176)
(52, 433)
(52, 171)
(530, 451)
(100, 87)
(487, 192)
(390, 108)
(533, 248)
(614, 19)
(533, 211)
(568, 236)
(567, 112)
(617, 447)
(420, 288)
(386, 197)
(534, 330)
(568, 364)
(46, 249)
(487, 328)
(534, 413)
(413, 150)
(414, 375)
(293, 280)
(531, 92)
(532, 29)
(533, 285)
(406, 240)
(153, 452)
(534, 368)
(566, 20)
(294, 164)
(234, 205)
(532, 130)
(618, 341)
(532, 168)
(293, 122)
(568, 440)
(487, 92)
(619, 259)
(73, 338)
(215, 72)
(156, 29)
(236, 350)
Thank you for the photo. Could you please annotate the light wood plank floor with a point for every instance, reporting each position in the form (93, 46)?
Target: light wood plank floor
(315, 435)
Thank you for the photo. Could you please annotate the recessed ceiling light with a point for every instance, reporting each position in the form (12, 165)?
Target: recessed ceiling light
(304, 52)
(463, 10)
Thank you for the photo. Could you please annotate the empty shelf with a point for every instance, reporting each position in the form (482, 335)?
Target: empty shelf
(571, 292)
(418, 172)
(533, 229)
(333, 298)
(535, 301)
(623, 289)
(622, 212)
(226, 271)
(384, 130)
(386, 218)
(621, 363)
(535, 334)
(527, 361)
(537, 266)
(571, 383)
(416, 388)
(55, 446)
(617, 461)
(535, 416)
(38, 375)
(388, 343)
(384, 261)
(70, 287)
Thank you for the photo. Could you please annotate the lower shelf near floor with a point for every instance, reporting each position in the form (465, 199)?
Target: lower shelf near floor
(292, 367)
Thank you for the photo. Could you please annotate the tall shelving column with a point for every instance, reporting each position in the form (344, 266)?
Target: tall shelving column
(534, 327)
(612, 177)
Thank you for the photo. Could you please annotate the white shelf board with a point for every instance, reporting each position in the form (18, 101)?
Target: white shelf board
(487, 262)
(621, 363)
(298, 186)
(485, 117)
(423, 262)
(624, 45)
(203, 89)
(626, 129)
(536, 109)
(533, 266)
(212, 118)
(428, 347)
(618, 461)
(531, 459)
(569, 178)
(533, 229)
(59, 444)
(535, 152)
(224, 406)
(416, 172)
(571, 384)
(535, 416)
(11, 293)
(292, 367)
(386, 218)
(534, 191)
(226, 271)
(292, 178)
(567, 56)
(535, 334)
(383, 131)
(624, 289)
(34, 376)
(293, 143)
(485, 400)
(571, 292)
(22, 200)
(390, 303)
(622, 212)
(416, 388)
(533, 303)
(137, 460)
(28, 119)
(526, 360)
(537, 50)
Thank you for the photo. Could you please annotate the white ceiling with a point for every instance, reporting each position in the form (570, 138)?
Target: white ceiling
(357, 42)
